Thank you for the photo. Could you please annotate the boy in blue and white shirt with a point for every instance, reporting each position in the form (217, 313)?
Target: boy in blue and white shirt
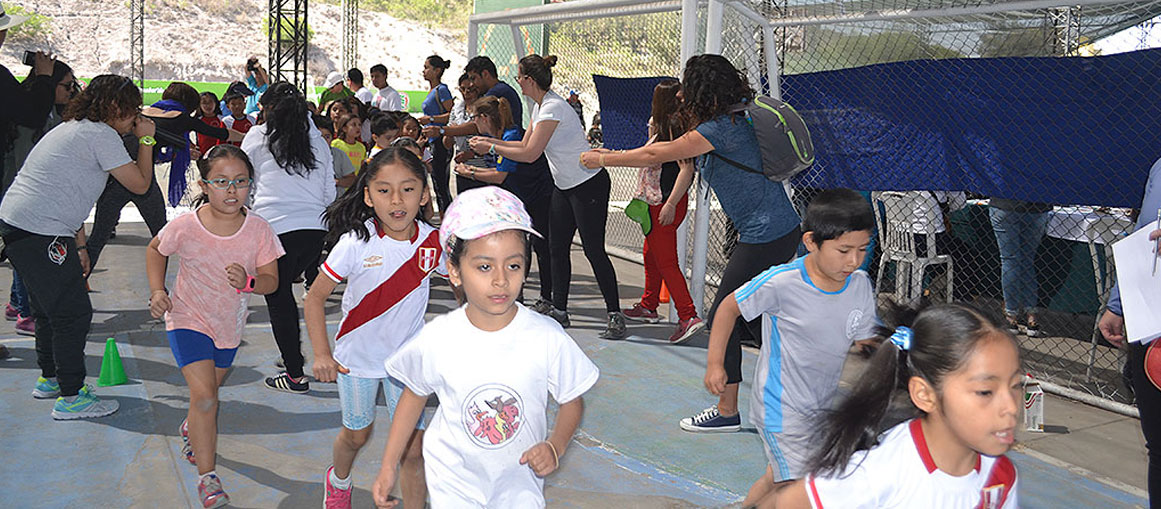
(813, 309)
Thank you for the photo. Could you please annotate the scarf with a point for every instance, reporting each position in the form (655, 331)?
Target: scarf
(178, 156)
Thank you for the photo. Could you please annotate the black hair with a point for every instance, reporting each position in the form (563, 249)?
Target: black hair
(379, 68)
(539, 69)
(837, 211)
(944, 337)
(355, 75)
(382, 123)
(480, 63)
(323, 122)
(108, 97)
(711, 85)
(439, 62)
(184, 94)
(288, 132)
(59, 71)
(206, 163)
(349, 213)
(355, 107)
(406, 142)
(213, 97)
(456, 247)
(464, 78)
(231, 95)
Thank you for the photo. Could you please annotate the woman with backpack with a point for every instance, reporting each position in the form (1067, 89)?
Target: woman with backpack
(758, 207)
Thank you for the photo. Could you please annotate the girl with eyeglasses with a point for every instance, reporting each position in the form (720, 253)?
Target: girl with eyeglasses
(226, 253)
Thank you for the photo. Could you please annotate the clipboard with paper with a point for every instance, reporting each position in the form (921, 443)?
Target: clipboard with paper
(1140, 286)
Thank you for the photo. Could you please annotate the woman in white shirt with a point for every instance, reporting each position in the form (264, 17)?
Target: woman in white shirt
(580, 200)
(293, 184)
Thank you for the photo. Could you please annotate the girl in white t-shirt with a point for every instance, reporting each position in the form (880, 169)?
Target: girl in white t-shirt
(492, 363)
(386, 255)
(226, 253)
(962, 372)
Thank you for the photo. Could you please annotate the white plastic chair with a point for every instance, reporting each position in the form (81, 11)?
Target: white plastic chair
(897, 238)
(1101, 235)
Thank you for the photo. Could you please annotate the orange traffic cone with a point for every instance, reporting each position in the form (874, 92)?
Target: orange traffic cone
(664, 293)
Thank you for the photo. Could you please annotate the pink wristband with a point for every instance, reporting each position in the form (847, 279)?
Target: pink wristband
(249, 288)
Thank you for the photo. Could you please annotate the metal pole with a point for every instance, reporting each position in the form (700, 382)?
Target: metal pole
(137, 42)
(517, 42)
(701, 213)
(890, 14)
(473, 39)
(688, 49)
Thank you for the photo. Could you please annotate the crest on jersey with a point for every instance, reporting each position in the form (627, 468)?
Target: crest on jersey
(428, 258)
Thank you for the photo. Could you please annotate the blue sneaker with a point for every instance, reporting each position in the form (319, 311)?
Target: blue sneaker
(46, 388)
(711, 421)
(85, 405)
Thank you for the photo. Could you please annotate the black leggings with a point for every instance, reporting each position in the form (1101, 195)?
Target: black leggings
(60, 303)
(302, 249)
(1149, 404)
(151, 205)
(746, 262)
(539, 211)
(440, 158)
(585, 208)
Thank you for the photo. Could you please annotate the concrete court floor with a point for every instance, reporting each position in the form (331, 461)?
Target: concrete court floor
(274, 447)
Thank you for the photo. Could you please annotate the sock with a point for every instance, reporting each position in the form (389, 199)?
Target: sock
(342, 484)
(207, 474)
(71, 399)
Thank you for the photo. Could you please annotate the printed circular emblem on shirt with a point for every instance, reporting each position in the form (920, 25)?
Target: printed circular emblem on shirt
(492, 415)
(853, 320)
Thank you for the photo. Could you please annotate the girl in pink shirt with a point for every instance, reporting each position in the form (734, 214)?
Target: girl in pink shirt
(226, 254)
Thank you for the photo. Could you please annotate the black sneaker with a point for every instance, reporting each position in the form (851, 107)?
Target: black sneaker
(712, 421)
(542, 306)
(283, 382)
(560, 316)
(616, 327)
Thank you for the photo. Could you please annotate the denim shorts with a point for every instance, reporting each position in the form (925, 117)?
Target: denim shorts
(357, 397)
(190, 346)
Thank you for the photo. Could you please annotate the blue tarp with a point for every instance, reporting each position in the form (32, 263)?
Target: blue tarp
(1059, 130)
(626, 104)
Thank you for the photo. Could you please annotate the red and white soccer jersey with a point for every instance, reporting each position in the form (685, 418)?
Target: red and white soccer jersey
(900, 473)
(386, 295)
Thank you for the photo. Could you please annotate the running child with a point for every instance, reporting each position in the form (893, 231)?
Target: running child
(813, 309)
(387, 256)
(226, 254)
(962, 373)
(208, 111)
(493, 363)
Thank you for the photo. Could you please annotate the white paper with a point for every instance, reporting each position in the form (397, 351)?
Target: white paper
(1140, 288)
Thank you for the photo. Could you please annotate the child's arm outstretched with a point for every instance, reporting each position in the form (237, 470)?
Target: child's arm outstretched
(324, 368)
(544, 457)
(723, 325)
(155, 266)
(407, 412)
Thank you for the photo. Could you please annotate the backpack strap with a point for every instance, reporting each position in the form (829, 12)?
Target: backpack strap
(1001, 480)
(735, 164)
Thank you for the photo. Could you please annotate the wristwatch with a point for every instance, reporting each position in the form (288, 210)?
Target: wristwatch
(148, 141)
(492, 150)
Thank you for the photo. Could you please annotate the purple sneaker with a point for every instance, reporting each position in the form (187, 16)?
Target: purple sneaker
(10, 313)
(26, 326)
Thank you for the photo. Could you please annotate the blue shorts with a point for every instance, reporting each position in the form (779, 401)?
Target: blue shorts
(190, 346)
(357, 398)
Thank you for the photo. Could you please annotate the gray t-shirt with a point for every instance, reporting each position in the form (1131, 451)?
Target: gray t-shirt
(62, 178)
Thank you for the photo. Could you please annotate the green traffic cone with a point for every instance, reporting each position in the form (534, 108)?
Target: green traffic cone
(112, 373)
(638, 211)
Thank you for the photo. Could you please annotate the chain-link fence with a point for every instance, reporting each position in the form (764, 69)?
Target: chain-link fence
(1047, 261)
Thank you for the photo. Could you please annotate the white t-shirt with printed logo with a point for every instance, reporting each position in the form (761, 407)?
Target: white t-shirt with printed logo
(386, 295)
(900, 473)
(493, 390)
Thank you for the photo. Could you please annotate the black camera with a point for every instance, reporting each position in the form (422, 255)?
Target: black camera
(30, 58)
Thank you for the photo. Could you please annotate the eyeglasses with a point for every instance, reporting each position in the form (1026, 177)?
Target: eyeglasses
(473, 117)
(223, 184)
(517, 78)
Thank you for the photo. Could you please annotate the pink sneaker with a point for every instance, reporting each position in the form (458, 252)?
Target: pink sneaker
(639, 314)
(211, 492)
(186, 449)
(26, 326)
(686, 329)
(335, 498)
(11, 313)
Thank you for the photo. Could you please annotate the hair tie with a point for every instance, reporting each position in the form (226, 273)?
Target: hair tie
(902, 338)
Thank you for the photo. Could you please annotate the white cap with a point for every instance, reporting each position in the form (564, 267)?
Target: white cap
(334, 78)
(10, 20)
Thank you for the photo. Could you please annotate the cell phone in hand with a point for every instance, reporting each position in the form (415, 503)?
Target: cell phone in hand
(29, 58)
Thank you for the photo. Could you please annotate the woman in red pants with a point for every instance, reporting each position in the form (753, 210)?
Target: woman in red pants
(660, 250)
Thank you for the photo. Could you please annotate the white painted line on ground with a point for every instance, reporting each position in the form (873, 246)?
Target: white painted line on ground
(1084, 472)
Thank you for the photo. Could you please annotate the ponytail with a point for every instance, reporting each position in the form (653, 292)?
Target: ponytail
(940, 340)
